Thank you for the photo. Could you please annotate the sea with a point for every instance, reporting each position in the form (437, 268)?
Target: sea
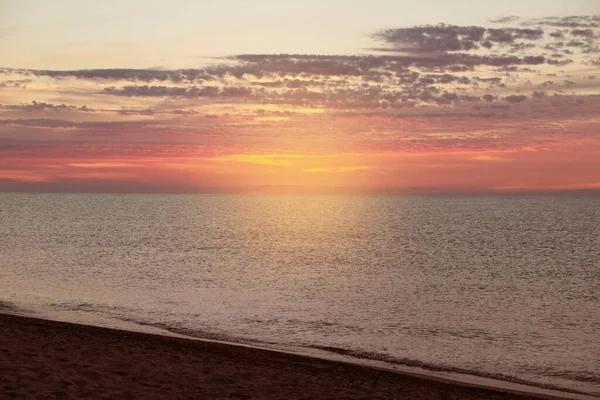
(503, 286)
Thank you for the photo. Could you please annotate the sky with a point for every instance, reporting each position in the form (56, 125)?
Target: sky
(300, 97)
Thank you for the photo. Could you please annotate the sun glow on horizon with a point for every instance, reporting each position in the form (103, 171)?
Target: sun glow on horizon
(502, 103)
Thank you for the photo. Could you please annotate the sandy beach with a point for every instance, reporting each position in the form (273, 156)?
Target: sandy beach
(42, 359)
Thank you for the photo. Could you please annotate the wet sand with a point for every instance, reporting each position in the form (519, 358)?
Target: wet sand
(42, 359)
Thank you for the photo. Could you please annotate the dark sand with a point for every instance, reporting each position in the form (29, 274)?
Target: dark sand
(42, 359)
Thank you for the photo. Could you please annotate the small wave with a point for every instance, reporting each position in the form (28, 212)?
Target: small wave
(367, 355)
(89, 307)
(196, 333)
(125, 315)
(7, 306)
(580, 376)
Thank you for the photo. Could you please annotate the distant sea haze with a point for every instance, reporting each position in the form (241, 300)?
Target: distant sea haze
(500, 286)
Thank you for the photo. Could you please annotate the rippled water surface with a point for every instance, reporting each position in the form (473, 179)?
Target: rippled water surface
(503, 286)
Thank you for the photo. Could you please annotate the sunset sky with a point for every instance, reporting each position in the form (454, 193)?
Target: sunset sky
(302, 97)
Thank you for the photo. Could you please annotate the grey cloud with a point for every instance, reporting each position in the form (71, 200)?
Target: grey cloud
(433, 38)
(509, 35)
(517, 47)
(294, 64)
(235, 92)
(135, 75)
(515, 98)
(59, 123)
(38, 122)
(500, 35)
(165, 91)
(185, 113)
(152, 112)
(583, 32)
(143, 75)
(445, 38)
(36, 106)
(560, 62)
(300, 83)
(437, 41)
(41, 106)
(298, 64)
(503, 20)
(275, 113)
(574, 21)
(534, 60)
(19, 83)
(538, 94)
(445, 78)
(148, 112)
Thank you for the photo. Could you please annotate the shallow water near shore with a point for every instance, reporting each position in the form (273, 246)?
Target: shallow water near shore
(502, 286)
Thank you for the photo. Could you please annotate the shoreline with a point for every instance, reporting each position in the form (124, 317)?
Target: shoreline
(106, 360)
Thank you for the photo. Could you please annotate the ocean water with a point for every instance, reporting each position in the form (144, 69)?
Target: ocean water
(503, 286)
